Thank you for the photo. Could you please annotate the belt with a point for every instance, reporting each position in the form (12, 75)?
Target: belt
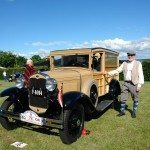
(128, 81)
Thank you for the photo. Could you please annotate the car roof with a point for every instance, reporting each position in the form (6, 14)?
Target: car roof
(82, 51)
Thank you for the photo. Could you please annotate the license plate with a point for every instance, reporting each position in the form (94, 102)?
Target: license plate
(37, 92)
(31, 117)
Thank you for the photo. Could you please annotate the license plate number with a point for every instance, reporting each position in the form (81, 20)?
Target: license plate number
(37, 92)
(31, 117)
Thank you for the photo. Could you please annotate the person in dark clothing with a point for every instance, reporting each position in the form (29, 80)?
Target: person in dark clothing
(96, 62)
(29, 71)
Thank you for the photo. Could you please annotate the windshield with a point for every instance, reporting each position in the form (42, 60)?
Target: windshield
(71, 61)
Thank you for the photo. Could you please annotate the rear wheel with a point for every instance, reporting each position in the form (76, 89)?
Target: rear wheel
(73, 123)
(94, 95)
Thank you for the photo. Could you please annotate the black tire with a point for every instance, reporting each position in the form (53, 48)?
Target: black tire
(7, 123)
(94, 95)
(114, 92)
(73, 124)
(114, 89)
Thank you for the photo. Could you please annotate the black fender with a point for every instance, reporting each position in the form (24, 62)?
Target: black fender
(16, 94)
(70, 99)
(114, 89)
(10, 91)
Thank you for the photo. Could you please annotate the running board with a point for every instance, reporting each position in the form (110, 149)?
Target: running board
(103, 104)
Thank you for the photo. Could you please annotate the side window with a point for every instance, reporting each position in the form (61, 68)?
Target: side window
(96, 63)
(58, 61)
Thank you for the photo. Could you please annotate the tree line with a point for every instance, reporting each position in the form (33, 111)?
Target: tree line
(16, 63)
(10, 60)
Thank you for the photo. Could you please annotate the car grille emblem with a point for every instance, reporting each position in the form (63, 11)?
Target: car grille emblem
(37, 76)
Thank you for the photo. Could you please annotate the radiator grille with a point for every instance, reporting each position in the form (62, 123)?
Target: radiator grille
(38, 93)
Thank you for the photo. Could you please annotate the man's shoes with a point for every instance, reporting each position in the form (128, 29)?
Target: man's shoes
(121, 114)
(133, 115)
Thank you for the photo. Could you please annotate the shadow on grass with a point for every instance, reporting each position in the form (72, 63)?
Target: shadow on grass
(115, 105)
(97, 114)
(130, 111)
(47, 131)
(36, 128)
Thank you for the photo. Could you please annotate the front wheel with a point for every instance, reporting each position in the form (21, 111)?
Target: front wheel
(6, 122)
(73, 124)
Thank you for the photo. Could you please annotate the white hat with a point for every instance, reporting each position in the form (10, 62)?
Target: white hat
(131, 52)
(29, 62)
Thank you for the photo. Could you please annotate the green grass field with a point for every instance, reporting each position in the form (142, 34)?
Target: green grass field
(108, 132)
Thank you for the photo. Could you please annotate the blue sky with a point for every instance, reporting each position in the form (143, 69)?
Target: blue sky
(29, 27)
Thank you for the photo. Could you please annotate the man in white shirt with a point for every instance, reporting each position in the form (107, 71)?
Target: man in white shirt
(133, 80)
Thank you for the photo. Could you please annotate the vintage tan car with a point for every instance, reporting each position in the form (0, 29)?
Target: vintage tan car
(82, 70)
(75, 88)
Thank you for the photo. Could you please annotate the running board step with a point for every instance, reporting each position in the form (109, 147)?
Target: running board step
(103, 104)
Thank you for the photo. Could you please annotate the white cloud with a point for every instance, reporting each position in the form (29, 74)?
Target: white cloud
(141, 46)
(41, 52)
(46, 44)
(113, 44)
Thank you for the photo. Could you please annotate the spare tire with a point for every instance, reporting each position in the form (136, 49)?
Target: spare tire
(114, 89)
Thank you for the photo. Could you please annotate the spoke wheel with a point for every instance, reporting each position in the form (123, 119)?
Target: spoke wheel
(7, 122)
(73, 124)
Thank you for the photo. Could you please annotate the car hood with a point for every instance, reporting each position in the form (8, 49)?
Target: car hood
(62, 74)
(70, 78)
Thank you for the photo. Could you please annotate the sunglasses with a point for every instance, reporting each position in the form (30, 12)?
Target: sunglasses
(130, 55)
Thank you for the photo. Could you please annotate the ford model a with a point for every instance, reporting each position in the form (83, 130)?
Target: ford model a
(64, 97)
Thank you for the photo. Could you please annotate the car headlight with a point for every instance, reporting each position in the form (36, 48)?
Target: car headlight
(51, 84)
(19, 83)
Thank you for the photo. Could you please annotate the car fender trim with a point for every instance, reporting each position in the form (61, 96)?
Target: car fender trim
(72, 98)
(87, 86)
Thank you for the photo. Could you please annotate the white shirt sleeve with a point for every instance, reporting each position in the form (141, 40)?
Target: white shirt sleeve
(141, 76)
(117, 71)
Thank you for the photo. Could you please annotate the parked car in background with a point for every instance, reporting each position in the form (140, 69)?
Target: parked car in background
(13, 77)
(64, 97)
